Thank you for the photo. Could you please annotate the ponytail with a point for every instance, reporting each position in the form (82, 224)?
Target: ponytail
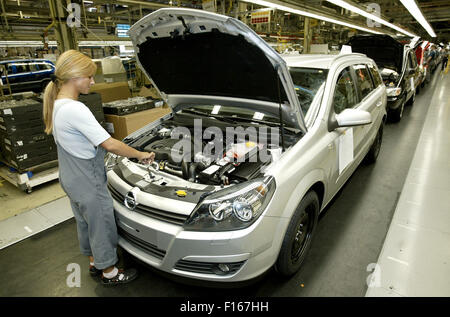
(50, 93)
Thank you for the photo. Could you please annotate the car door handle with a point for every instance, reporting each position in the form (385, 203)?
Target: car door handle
(379, 103)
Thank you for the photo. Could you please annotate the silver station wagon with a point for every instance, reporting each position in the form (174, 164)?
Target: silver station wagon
(256, 146)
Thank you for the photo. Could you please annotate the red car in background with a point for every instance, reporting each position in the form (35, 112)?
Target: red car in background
(423, 58)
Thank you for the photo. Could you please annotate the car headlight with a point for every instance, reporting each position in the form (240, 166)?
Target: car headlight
(393, 92)
(233, 208)
(110, 161)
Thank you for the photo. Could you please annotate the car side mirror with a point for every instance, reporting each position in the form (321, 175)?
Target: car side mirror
(350, 118)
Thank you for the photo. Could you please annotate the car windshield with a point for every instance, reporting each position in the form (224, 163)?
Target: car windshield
(307, 82)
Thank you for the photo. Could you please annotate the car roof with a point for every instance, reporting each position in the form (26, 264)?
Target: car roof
(323, 61)
(25, 60)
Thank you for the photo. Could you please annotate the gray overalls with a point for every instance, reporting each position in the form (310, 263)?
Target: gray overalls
(84, 181)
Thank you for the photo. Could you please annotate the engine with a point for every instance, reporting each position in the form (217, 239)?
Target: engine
(214, 161)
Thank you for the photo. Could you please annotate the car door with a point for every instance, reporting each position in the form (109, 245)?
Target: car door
(414, 65)
(346, 141)
(372, 98)
(409, 76)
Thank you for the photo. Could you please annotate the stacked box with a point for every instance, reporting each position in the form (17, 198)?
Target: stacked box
(127, 106)
(23, 142)
(24, 157)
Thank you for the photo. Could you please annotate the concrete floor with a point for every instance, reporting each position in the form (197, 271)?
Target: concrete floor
(15, 201)
(348, 240)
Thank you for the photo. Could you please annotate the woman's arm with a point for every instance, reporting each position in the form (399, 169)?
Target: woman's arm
(117, 147)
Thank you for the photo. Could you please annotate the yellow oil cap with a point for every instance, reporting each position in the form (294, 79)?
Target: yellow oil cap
(181, 193)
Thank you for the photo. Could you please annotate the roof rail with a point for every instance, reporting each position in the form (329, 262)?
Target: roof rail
(349, 54)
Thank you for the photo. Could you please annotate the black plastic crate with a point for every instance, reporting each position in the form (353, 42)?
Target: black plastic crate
(127, 106)
(22, 128)
(26, 163)
(28, 151)
(24, 140)
(20, 111)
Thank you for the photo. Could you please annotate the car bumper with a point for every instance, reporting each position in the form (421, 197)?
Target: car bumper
(231, 256)
(393, 103)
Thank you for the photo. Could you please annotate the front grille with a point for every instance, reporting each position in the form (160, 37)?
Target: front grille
(158, 214)
(141, 244)
(208, 267)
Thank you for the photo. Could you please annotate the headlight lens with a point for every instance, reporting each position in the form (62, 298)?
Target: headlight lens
(233, 208)
(393, 92)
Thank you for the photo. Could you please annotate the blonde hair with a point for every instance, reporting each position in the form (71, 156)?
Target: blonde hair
(70, 64)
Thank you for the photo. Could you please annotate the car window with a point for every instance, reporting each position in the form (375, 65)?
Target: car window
(43, 66)
(307, 82)
(33, 67)
(345, 92)
(375, 75)
(11, 69)
(363, 80)
(22, 68)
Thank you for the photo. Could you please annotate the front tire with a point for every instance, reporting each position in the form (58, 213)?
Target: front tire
(372, 155)
(412, 99)
(397, 114)
(299, 235)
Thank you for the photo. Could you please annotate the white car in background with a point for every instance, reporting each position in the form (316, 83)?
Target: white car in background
(209, 216)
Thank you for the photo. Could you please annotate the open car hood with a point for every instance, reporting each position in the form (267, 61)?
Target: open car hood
(383, 49)
(196, 57)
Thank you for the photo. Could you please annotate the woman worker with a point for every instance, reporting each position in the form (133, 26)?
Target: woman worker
(82, 143)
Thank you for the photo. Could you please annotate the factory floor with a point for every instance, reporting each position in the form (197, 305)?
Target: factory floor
(386, 233)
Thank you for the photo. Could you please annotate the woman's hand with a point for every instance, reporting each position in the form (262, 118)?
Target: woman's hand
(146, 158)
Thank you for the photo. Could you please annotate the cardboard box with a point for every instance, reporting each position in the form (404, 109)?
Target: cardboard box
(112, 91)
(121, 126)
(115, 78)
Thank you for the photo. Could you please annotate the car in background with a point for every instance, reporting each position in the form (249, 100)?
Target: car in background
(398, 66)
(26, 74)
(225, 214)
(422, 53)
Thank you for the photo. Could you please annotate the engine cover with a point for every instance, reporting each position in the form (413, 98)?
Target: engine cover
(162, 148)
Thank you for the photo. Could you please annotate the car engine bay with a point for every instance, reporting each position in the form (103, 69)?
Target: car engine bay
(211, 161)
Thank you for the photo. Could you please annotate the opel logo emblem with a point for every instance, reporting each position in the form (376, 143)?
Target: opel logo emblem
(130, 200)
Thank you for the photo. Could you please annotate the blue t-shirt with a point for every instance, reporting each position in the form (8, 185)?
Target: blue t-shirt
(76, 129)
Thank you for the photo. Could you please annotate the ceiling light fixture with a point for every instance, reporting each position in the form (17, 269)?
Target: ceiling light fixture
(308, 14)
(366, 14)
(412, 7)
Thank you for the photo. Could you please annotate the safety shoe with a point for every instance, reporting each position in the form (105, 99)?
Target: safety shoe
(123, 277)
(93, 271)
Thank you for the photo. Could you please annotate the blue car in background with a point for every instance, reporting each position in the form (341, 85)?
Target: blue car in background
(26, 74)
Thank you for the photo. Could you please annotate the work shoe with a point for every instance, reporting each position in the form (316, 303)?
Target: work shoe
(93, 271)
(123, 277)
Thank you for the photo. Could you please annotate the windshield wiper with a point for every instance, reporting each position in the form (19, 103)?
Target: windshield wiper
(234, 120)
(226, 119)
